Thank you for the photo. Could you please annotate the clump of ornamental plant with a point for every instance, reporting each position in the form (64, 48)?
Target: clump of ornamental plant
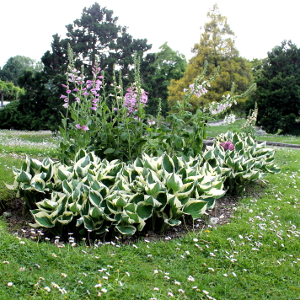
(92, 197)
(240, 160)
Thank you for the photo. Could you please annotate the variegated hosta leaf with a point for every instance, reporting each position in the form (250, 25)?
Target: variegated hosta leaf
(38, 184)
(96, 212)
(175, 207)
(168, 164)
(172, 222)
(65, 218)
(24, 176)
(186, 190)
(144, 210)
(151, 200)
(43, 219)
(195, 208)
(90, 224)
(153, 188)
(75, 208)
(47, 205)
(95, 197)
(174, 182)
(126, 229)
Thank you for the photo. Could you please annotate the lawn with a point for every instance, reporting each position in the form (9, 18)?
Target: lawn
(213, 131)
(255, 256)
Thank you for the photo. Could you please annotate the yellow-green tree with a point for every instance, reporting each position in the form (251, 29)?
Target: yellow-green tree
(8, 90)
(217, 47)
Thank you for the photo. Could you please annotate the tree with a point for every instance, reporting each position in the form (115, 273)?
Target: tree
(216, 46)
(8, 90)
(157, 71)
(94, 38)
(16, 66)
(278, 90)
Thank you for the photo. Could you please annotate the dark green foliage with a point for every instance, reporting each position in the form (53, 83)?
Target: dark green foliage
(16, 66)
(94, 38)
(157, 70)
(278, 90)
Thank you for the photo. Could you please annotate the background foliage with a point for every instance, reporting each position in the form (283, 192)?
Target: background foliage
(217, 47)
(278, 90)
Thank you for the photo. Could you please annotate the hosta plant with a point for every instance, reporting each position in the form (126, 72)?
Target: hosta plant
(94, 195)
(241, 160)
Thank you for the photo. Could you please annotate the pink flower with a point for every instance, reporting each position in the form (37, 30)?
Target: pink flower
(68, 91)
(227, 146)
(66, 105)
(84, 127)
(63, 96)
(93, 108)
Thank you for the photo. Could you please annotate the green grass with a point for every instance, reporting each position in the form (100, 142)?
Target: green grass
(39, 144)
(256, 256)
(213, 131)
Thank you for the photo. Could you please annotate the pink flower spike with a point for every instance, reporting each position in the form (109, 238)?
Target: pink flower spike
(84, 127)
(78, 126)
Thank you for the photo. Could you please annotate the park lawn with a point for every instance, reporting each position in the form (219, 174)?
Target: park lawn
(255, 256)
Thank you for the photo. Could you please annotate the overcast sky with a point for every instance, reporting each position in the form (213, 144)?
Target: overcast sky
(27, 26)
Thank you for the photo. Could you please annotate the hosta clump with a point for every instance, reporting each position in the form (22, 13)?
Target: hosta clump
(241, 160)
(99, 196)
(35, 180)
(165, 188)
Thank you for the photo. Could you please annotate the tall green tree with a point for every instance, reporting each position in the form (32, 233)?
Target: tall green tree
(16, 66)
(95, 37)
(217, 47)
(157, 71)
(278, 90)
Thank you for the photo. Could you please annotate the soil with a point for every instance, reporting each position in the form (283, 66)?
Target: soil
(18, 221)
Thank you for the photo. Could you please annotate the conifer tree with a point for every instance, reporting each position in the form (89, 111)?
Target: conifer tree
(217, 47)
(278, 90)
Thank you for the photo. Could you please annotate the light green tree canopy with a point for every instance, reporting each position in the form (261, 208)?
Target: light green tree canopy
(217, 47)
(16, 66)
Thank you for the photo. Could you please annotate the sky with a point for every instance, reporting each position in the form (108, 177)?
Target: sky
(259, 25)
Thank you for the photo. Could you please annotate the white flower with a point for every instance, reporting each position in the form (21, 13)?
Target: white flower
(47, 289)
(191, 278)
(10, 284)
